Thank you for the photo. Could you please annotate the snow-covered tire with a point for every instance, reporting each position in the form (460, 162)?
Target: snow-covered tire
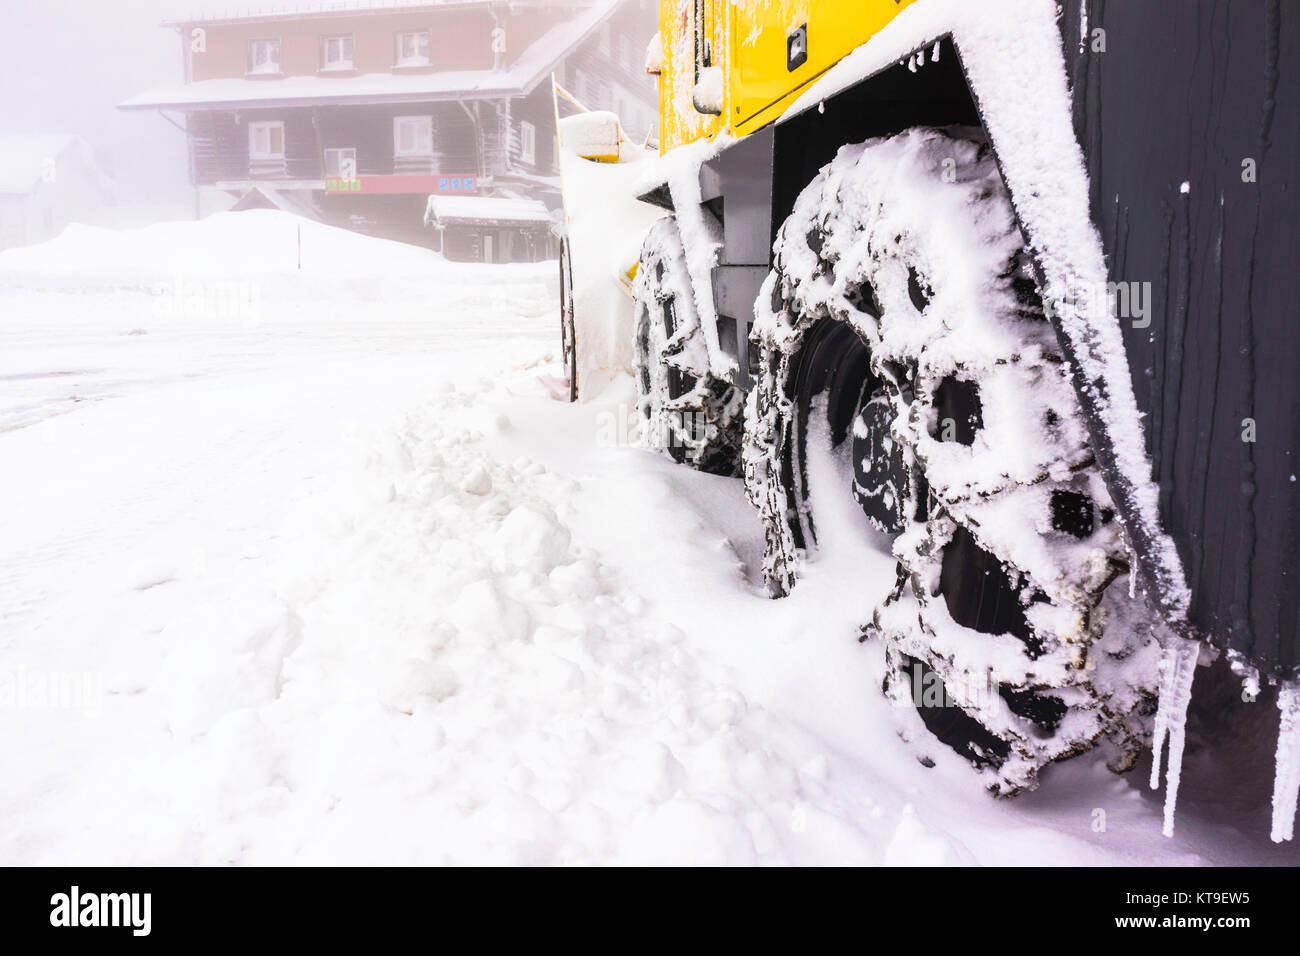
(1011, 578)
(685, 411)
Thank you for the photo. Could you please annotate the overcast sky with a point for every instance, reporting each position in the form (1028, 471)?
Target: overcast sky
(65, 64)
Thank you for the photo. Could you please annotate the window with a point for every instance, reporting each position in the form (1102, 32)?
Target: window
(413, 135)
(266, 140)
(336, 53)
(599, 94)
(527, 143)
(341, 163)
(413, 49)
(605, 45)
(264, 56)
(703, 45)
(591, 90)
(624, 52)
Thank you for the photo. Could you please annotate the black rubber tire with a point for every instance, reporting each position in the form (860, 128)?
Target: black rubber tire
(852, 270)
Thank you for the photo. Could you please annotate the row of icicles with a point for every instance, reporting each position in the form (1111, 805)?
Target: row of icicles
(1177, 670)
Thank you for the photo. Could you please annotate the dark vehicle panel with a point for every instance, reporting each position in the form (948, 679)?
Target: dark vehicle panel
(1206, 94)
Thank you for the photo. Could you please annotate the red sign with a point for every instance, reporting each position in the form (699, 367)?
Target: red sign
(402, 185)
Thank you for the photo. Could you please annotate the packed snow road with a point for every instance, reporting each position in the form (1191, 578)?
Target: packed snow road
(307, 566)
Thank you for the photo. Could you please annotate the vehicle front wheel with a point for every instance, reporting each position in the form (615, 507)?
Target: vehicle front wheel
(902, 309)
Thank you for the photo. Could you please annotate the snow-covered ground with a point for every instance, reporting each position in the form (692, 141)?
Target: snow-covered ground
(311, 565)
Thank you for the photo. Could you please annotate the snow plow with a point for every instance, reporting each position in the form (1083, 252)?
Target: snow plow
(1029, 272)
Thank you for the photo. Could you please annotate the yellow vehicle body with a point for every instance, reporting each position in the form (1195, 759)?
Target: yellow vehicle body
(751, 43)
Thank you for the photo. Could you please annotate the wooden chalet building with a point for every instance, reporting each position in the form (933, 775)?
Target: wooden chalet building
(358, 113)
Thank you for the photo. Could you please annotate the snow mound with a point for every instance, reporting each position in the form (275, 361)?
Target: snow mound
(255, 242)
(248, 269)
(292, 583)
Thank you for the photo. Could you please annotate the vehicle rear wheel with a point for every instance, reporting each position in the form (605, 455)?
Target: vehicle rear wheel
(902, 307)
(685, 411)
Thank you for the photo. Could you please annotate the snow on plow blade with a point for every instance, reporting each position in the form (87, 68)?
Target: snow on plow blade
(592, 136)
(604, 227)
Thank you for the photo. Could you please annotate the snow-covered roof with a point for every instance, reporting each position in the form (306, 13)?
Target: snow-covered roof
(521, 78)
(366, 88)
(23, 158)
(293, 202)
(221, 11)
(445, 209)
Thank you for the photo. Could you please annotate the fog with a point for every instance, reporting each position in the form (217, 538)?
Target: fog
(65, 64)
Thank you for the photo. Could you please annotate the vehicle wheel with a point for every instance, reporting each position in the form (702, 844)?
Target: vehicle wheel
(568, 329)
(902, 308)
(685, 411)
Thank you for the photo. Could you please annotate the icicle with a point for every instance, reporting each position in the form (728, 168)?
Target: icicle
(1177, 670)
(1286, 780)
